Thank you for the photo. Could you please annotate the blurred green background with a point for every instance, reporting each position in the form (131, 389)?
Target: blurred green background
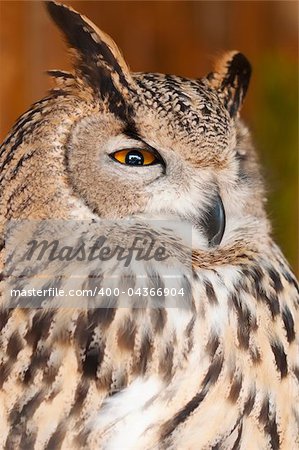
(275, 129)
(181, 37)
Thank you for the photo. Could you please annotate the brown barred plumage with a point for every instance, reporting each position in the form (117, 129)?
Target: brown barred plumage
(220, 374)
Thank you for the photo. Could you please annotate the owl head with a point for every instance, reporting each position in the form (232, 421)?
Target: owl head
(149, 144)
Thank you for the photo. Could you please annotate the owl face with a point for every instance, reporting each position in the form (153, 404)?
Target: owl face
(160, 146)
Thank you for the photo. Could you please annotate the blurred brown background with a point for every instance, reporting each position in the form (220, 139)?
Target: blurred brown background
(180, 37)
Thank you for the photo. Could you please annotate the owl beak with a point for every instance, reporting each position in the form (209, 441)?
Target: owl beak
(213, 222)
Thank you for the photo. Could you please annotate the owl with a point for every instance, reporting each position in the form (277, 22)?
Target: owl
(124, 151)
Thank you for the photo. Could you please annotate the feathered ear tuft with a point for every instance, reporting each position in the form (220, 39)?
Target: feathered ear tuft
(98, 59)
(231, 79)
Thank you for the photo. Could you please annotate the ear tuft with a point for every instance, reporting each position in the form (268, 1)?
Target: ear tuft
(231, 79)
(98, 59)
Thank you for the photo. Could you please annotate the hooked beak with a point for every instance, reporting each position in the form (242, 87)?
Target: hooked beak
(213, 222)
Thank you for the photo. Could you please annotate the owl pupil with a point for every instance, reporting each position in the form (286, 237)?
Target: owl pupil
(134, 158)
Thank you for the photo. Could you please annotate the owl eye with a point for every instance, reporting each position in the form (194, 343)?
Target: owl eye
(135, 157)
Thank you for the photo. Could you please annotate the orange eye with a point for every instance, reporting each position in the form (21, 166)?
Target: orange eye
(135, 157)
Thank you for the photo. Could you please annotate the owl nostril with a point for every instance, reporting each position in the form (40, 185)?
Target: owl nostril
(214, 222)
